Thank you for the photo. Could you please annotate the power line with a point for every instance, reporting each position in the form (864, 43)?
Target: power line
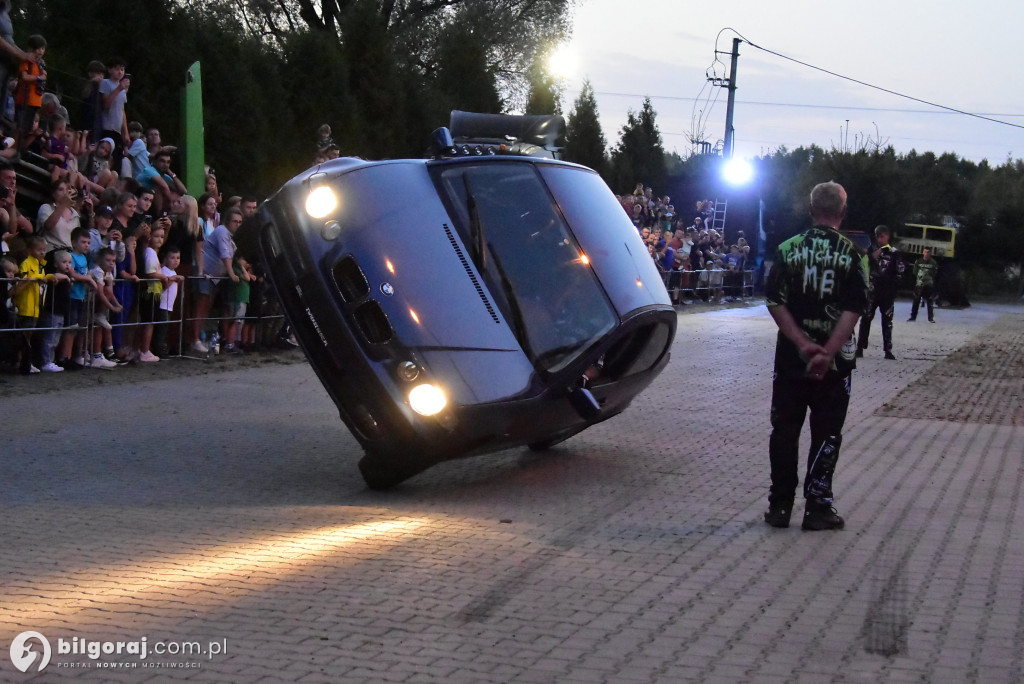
(869, 85)
(807, 105)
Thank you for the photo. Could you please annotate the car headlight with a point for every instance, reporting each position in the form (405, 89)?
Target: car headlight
(321, 202)
(427, 399)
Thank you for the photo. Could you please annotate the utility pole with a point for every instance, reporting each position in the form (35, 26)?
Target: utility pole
(730, 132)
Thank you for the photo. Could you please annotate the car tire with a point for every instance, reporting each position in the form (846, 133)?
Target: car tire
(382, 473)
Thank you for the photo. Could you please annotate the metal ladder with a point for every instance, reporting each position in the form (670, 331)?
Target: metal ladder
(718, 219)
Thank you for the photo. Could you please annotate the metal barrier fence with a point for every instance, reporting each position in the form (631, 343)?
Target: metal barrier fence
(176, 331)
(708, 286)
(181, 325)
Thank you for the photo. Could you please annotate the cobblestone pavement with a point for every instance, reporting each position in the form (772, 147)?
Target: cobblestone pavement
(227, 509)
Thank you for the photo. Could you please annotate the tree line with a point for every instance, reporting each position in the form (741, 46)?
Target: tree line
(985, 201)
(384, 74)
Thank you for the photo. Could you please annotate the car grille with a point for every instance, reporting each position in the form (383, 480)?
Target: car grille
(373, 322)
(350, 279)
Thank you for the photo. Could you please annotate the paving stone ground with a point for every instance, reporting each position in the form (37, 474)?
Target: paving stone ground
(228, 506)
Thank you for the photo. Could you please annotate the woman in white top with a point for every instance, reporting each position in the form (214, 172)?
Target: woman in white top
(56, 220)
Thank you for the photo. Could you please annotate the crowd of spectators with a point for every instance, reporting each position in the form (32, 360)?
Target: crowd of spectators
(693, 257)
(94, 277)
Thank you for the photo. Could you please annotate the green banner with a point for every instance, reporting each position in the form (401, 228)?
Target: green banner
(193, 154)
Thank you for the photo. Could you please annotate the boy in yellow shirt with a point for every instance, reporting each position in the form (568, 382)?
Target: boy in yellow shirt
(26, 297)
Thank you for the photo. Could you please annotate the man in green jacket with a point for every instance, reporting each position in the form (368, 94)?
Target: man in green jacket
(924, 284)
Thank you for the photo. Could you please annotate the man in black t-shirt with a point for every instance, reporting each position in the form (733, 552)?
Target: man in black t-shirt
(885, 267)
(815, 292)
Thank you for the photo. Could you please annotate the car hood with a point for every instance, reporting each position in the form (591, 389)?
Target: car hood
(397, 229)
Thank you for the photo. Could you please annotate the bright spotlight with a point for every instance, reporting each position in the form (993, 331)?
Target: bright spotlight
(737, 172)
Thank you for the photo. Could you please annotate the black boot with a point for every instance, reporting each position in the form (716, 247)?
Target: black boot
(778, 514)
(821, 517)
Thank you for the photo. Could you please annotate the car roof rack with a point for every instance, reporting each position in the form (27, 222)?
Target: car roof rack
(475, 134)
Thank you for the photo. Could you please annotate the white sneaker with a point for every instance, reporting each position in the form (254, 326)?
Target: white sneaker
(32, 369)
(51, 368)
(148, 357)
(200, 347)
(100, 362)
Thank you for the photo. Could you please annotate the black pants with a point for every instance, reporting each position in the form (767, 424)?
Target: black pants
(926, 292)
(827, 400)
(886, 303)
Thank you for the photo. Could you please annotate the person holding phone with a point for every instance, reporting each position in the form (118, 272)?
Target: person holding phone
(114, 124)
(57, 219)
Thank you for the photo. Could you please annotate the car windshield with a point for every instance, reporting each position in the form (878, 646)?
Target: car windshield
(530, 260)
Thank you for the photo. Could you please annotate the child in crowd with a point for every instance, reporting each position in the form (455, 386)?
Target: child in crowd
(114, 90)
(102, 273)
(142, 170)
(98, 165)
(26, 298)
(8, 276)
(73, 344)
(28, 96)
(149, 303)
(171, 261)
(253, 310)
(101, 235)
(55, 150)
(323, 138)
(76, 143)
(715, 274)
(238, 304)
(54, 314)
(213, 190)
(125, 288)
(62, 158)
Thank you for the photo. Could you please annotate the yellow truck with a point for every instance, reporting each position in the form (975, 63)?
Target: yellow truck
(912, 238)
